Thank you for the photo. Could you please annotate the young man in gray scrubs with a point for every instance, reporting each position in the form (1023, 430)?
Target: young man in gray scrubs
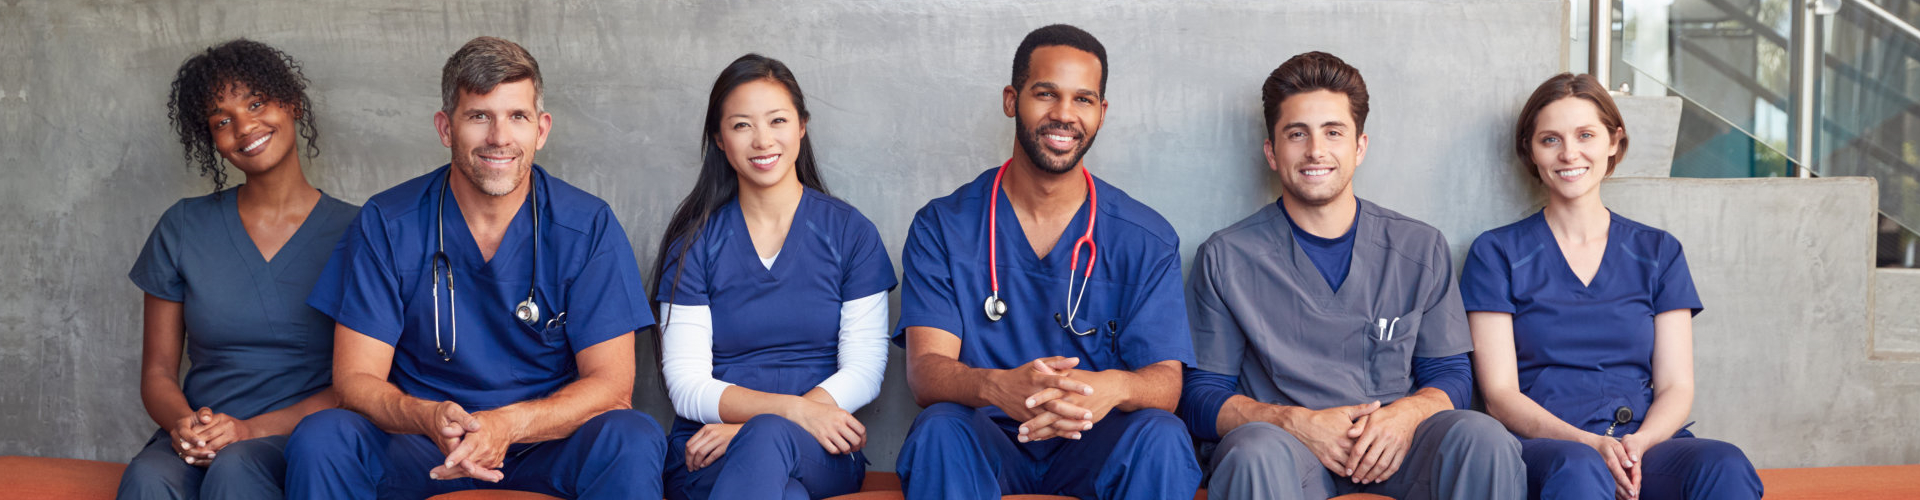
(1330, 337)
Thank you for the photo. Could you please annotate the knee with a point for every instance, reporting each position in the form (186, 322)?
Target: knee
(1160, 430)
(165, 477)
(327, 432)
(942, 420)
(1567, 461)
(766, 429)
(1255, 448)
(626, 431)
(1474, 432)
(250, 458)
(1721, 456)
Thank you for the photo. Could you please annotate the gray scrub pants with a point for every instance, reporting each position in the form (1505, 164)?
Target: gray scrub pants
(1456, 454)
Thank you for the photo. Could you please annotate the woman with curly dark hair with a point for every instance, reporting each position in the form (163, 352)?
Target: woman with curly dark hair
(226, 277)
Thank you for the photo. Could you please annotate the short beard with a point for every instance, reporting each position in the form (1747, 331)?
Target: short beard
(1030, 142)
(491, 186)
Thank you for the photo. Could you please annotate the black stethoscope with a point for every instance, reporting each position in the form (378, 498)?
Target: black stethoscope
(527, 311)
(997, 308)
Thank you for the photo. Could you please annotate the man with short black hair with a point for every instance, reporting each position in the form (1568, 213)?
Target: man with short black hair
(1330, 336)
(485, 316)
(1063, 380)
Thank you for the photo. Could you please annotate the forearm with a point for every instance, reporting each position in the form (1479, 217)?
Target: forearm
(165, 403)
(1527, 418)
(383, 404)
(1667, 413)
(739, 404)
(1241, 410)
(935, 378)
(1424, 403)
(281, 421)
(557, 416)
(1155, 386)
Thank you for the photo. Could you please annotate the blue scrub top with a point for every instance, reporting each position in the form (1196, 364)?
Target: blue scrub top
(254, 345)
(378, 281)
(1135, 301)
(778, 330)
(1582, 350)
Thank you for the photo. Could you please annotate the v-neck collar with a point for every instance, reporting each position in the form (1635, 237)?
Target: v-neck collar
(1566, 266)
(464, 250)
(243, 241)
(751, 256)
(1303, 267)
(1014, 235)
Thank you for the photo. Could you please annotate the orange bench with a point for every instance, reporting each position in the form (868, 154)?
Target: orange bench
(70, 479)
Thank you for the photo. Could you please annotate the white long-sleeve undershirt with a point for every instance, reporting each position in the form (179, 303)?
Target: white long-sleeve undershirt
(687, 358)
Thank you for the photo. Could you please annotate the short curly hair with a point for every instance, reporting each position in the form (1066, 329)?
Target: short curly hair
(203, 77)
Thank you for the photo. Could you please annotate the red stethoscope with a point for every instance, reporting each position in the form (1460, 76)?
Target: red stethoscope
(997, 308)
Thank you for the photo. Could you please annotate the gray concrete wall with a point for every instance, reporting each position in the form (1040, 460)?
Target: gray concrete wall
(1896, 314)
(1655, 125)
(1783, 364)
(906, 103)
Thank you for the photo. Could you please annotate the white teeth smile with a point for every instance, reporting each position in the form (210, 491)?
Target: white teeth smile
(764, 161)
(1060, 138)
(498, 161)
(257, 143)
(1573, 173)
(1316, 172)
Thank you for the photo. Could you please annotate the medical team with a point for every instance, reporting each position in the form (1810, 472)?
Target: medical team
(1320, 346)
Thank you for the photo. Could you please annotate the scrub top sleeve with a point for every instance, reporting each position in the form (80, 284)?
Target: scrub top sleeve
(359, 287)
(1158, 329)
(683, 274)
(1674, 289)
(1443, 325)
(865, 267)
(928, 299)
(1218, 341)
(608, 298)
(155, 271)
(1486, 282)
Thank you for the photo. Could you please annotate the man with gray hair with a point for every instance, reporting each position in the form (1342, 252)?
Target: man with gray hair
(538, 276)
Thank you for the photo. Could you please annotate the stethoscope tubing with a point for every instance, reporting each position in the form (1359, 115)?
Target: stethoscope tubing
(526, 311)
(995, 307)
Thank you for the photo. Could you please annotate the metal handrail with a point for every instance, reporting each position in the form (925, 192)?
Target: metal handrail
(1889, 18)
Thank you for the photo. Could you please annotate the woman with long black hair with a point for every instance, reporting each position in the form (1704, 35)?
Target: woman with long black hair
(773, 299)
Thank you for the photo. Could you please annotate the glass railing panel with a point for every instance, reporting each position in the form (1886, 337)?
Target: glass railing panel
(1869, 106)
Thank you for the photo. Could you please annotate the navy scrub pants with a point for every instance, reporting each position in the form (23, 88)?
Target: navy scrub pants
(340, 454)
(771, 457)
(953, 451)
(1679, 468)
(247, 469)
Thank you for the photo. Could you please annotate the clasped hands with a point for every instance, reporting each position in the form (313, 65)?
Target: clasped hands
(1365, 443)
(475, 444)
(198, 438)
(1623, 460)
(1050, 398)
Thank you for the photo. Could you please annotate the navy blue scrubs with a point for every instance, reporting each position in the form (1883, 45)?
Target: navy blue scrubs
(253, 344)
(377, 283)
(1134, 304)
(775, 330)
(1583, 350)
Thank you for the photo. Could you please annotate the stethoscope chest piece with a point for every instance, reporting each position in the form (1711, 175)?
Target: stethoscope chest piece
(995, 307)
(527, 312)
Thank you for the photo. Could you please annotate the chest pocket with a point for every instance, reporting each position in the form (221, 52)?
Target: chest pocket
(1389, 354)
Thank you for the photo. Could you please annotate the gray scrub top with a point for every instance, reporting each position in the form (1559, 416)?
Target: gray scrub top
(254, 345)
(1262, 312)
